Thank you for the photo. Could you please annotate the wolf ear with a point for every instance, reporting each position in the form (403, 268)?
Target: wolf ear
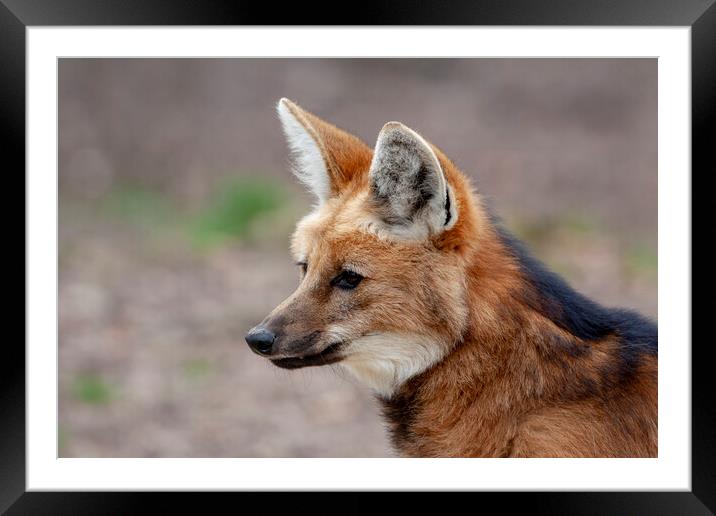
(327, 158)
(408, 186)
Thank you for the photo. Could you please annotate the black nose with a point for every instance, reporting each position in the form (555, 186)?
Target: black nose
(260, 340)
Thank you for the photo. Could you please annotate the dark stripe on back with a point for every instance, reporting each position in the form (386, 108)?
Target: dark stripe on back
(551, 296)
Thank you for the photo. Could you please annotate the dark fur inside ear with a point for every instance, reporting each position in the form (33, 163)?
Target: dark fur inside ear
(406, 181)
(448, 215)
(401, 193)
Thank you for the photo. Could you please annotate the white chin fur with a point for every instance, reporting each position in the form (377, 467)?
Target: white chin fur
(383, 362)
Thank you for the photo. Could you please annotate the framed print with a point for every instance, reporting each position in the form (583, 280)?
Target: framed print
(442, 155)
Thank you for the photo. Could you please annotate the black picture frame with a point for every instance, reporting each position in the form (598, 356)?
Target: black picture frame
(17, 15)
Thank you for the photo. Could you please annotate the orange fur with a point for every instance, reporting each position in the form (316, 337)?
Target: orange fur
(506, 379)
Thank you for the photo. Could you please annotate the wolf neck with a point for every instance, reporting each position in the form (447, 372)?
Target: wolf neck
(532, 340)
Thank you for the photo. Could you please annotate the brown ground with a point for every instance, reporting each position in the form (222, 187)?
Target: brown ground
(152, 360)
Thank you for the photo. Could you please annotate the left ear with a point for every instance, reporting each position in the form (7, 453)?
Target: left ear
(408, 186)
(328, 158)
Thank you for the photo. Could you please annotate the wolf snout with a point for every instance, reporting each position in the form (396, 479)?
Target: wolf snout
(260, 340)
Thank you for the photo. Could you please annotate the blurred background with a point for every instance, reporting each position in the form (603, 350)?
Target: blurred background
(176, 204)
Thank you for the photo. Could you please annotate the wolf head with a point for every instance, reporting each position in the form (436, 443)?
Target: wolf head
(382, 255)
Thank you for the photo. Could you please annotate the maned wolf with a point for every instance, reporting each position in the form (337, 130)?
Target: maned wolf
(473, 348)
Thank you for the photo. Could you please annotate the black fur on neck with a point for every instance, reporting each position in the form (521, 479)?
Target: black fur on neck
(573, 312)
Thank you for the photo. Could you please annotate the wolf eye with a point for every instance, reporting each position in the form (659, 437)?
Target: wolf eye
(304, 267)
(347, 280)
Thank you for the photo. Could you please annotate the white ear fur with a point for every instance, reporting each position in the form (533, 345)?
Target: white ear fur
(408, 184)
(310, 167)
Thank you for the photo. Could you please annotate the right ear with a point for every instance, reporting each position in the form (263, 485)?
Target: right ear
(327, 158)
(410, 192)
